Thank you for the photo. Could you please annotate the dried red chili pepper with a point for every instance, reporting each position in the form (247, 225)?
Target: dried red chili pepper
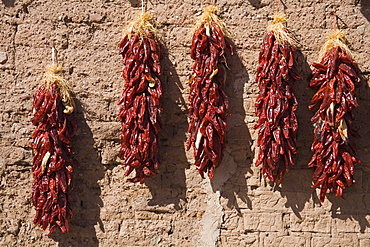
(55, 124)
(140, 102)
(333, 145)
(276, 103)
(208, 101)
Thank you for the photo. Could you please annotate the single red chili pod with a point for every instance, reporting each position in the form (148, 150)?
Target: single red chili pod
(140, 102)
(53, 116)
(208, 101)
(276, 103)
(333, 147)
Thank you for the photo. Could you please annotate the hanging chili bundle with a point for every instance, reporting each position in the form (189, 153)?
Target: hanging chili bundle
(55, 123)
(276, 103)
(208, 101)
(333, 145)
(140, 101)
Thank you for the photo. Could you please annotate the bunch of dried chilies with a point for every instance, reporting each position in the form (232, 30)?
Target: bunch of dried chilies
(53, 116)
(208, 102)
(140, 101)
(333, 145)
(276, 103)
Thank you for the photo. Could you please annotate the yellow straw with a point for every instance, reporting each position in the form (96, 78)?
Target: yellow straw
(209, 16)
(278, 27)
(336, 38)
(52, 75)
(142, 26)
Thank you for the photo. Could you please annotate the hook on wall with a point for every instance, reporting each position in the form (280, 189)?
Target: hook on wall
(53, 55)
(338, 23)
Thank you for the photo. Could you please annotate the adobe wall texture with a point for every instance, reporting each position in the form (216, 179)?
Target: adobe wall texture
(176, 208)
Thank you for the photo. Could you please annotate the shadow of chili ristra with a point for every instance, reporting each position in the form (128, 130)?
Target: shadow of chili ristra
(365, 8)
(169, 185)
(8, 3)
(260, 4)
(86, 201)
(255, 3)
(229, 177)
(296, 184)
(356, 205)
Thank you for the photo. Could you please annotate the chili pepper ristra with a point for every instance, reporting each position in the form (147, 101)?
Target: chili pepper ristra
(53, 115)
(333, 147)
(276, 103)
(140, 102)
(208, 101)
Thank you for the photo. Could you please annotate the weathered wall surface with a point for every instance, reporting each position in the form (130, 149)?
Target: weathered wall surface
(176, 208)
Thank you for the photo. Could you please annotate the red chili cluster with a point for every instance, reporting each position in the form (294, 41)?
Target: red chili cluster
(333, 146)
(140, 105)
(275, 107)
(53, 161)
(208, 101)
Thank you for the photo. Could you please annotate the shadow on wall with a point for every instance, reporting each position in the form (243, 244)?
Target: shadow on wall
(229, 176)
(296, 184)
(8, 3)
(356, 206)
(259, 4)
(255, 3)
(353, 208)
(365, 9)
(135, 3)
(86, 201)
(169, 186)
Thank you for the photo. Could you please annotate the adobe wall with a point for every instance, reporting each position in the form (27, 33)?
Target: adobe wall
(176, 208)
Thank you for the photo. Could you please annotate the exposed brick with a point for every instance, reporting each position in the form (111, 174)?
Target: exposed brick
(311, 223)
(262, 222)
